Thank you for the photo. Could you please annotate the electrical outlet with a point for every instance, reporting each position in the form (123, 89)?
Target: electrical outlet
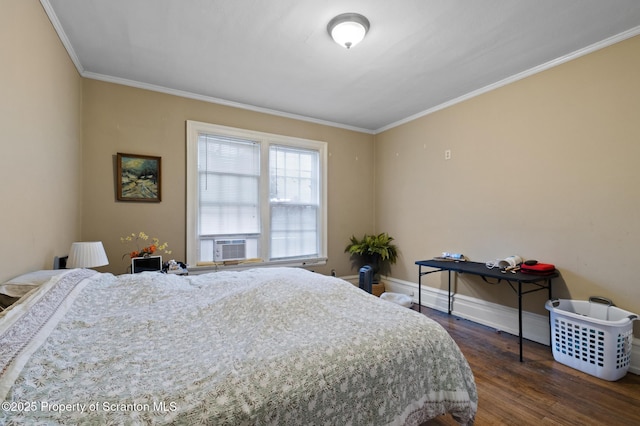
(447, 154)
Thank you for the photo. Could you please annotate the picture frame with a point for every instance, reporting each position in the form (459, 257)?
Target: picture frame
(138, 177)
(146, 263)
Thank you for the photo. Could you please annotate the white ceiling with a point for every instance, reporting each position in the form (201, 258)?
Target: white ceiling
(276, 56)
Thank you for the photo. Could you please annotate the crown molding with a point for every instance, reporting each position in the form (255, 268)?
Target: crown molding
(535, 70)
(210, 99)
(53, 18)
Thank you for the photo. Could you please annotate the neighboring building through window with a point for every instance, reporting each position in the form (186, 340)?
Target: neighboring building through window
(254, 196)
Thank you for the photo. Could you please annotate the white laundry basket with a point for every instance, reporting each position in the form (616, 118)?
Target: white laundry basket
(592, 336)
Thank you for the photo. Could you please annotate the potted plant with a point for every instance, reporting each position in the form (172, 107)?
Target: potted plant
(374, 250)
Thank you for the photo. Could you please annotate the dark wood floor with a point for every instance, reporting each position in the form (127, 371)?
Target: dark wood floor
(538, 391)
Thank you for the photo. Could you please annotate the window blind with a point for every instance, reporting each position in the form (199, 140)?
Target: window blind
(294, 201)
(229, 185)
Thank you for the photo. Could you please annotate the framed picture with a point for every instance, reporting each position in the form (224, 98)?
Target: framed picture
(138, 177)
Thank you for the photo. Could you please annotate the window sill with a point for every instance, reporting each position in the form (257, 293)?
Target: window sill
(216, 267)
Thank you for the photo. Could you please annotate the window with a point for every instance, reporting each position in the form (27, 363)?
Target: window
(255, 196)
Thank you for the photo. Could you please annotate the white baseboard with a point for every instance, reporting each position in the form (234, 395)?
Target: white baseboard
(535, 327)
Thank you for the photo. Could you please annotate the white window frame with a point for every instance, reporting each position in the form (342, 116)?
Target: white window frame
(194, 129)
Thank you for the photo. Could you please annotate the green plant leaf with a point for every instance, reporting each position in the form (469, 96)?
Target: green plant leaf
(376, 250)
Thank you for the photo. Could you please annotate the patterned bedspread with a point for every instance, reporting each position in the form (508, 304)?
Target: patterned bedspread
(268, 346)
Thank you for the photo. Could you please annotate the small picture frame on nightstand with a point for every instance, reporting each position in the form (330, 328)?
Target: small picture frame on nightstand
(146, 263)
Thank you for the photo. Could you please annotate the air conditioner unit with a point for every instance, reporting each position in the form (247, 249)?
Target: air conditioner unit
(229, 250)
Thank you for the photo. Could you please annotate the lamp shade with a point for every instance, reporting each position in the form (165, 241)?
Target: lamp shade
(87, 255)
(348, 29)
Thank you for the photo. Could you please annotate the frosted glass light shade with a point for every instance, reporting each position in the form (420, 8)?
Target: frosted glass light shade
(348, 29)
(87, 255)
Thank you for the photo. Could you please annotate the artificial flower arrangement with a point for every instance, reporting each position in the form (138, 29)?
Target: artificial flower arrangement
(147, 250)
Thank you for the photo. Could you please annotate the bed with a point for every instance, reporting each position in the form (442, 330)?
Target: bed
(266, 346)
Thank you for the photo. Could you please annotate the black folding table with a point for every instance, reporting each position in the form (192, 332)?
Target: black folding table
(539, 282)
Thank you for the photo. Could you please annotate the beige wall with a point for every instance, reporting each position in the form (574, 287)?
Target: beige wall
(546, 168)
(124, 119)
(40, 135)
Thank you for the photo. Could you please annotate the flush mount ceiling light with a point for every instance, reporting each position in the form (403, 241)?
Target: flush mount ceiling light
(348, 29)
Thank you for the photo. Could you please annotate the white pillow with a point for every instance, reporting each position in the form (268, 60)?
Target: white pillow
(22, 284)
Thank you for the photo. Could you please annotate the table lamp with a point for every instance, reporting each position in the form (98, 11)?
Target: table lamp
(87, 255)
